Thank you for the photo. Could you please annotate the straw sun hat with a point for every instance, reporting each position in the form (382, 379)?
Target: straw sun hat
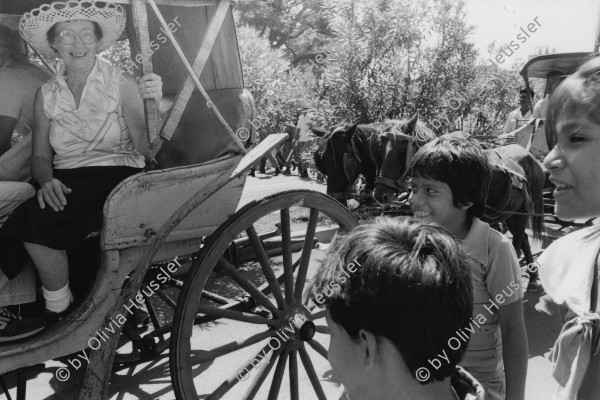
(35, 24)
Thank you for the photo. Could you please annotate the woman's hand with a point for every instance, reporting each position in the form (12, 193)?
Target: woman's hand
(150, 87)
(53, 193)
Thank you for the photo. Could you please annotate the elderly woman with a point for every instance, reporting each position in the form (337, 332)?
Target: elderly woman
(88, 136)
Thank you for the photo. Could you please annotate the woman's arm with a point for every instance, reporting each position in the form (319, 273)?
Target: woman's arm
(514, 349)
(52, 191)
(132, 95)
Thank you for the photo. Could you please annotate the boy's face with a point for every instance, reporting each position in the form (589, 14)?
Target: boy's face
(574, 165)
(524, 100)
(343, 355)
(432, 202)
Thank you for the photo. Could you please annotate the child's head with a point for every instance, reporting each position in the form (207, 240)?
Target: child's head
(573, 134)
(458, 163)
(394, 290)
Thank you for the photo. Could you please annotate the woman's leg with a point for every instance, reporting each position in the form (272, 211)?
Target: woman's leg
(51, 264)
(53, 268)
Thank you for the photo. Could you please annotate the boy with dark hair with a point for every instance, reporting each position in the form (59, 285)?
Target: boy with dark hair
(398, 295)
(449, 181)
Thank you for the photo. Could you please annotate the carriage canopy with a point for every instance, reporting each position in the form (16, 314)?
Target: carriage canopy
(565, 63)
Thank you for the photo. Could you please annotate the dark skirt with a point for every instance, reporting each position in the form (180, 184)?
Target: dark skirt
(60, 230)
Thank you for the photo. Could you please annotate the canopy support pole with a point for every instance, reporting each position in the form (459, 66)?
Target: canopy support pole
(140, 44)
(186, 91)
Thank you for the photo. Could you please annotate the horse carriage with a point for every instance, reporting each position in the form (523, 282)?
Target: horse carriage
(553, 68)
(532, 134)
(178, 230)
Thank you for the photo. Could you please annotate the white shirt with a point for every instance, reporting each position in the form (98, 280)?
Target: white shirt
(303, 124)
(511, 121)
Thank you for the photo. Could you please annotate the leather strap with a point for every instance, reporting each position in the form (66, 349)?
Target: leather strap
(594, 294)
(593, 306)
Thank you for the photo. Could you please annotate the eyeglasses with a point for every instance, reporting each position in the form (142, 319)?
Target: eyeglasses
(67, 37)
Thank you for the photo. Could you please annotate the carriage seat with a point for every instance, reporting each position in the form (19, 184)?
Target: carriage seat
(199, 136)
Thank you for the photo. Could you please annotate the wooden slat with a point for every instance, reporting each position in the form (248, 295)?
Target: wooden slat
(140, 44)
(161, 192)
(192, 80)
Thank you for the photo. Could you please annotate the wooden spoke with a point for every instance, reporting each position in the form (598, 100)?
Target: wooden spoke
(215, 297)
(166, 299)
(265, 265)
(230, 348)
(241, 280)
(294, 390)
(234, 378)
(318, 347)
(306, 251)
(265, 368)
(151, 313)
(255, 301)
(312, 375)
(288, 268)
(235, 315)
(278, 376)
(323, 329)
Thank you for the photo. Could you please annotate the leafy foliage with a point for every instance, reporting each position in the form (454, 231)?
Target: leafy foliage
(482, 105)
(295, 26)
(279, 91)
(391, 58)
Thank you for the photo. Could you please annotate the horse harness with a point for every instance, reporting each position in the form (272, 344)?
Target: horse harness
(413, 147)
(516, 181)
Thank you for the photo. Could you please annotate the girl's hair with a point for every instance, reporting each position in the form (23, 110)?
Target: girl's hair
(461, 164)
(579, 93)
(401, 280)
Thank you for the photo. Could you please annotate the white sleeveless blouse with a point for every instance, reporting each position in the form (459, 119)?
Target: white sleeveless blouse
(95, 134)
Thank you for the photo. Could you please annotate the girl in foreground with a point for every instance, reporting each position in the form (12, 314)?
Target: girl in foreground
(569, 267)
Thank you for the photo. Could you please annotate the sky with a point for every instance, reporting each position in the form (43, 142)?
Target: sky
(567, 25)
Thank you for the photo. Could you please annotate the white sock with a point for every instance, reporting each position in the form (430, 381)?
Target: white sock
(58, 300)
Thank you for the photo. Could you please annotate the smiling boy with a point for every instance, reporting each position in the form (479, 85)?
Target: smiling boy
(449, 181)
(395, 313)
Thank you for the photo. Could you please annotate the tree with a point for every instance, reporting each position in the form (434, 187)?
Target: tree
(279, 91)
(482, 105)
(390, 58)
(295, 26)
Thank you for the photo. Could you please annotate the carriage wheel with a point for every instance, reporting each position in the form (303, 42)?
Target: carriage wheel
(258, 319)
(147, 340)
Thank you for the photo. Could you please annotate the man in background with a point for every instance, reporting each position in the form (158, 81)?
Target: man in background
(521, 113)
(305, 138)
(288, 147)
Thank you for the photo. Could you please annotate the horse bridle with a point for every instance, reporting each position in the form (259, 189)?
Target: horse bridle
(412, 148)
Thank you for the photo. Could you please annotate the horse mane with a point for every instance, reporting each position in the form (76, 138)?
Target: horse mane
(421, 132)
(368, 129)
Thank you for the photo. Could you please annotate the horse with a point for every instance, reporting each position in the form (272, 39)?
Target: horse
(515, 191)
(342, 156)
(396, 138)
